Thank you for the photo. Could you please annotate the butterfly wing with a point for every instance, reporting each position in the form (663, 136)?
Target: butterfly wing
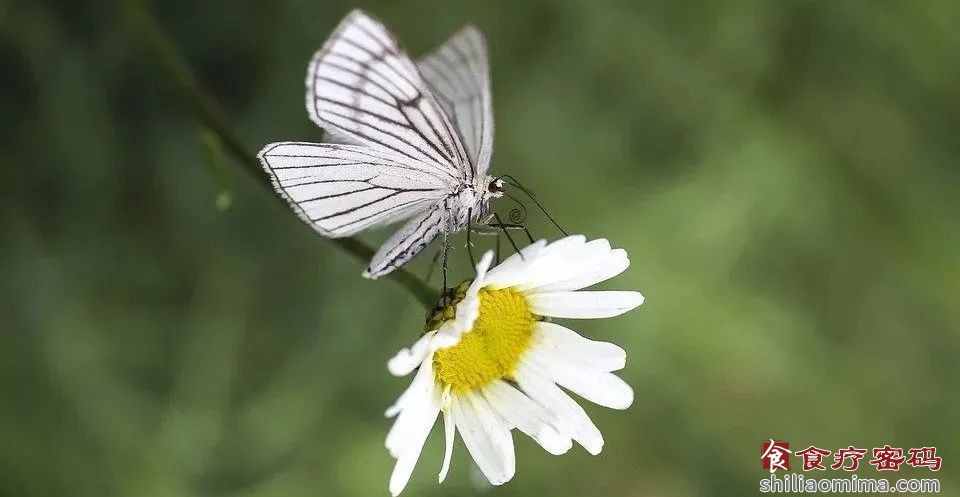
(363, 85)
(458, 72)
(343, 189)
(407, 242)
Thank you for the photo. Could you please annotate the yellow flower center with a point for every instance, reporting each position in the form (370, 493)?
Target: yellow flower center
(491, 349)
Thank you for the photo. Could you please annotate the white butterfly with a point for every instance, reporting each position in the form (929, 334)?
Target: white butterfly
(411, 140)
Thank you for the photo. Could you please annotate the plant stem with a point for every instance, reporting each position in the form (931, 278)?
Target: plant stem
(208, 111)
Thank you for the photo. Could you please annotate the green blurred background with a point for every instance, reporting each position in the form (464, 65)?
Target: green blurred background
(783, 175)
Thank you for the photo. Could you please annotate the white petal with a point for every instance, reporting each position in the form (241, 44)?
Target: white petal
(516, 269)
(450, 432)
(450, 332)
(523, 413)
(488, 442)
(568, 415)
(562, 263)
(605, 389)
(566, 259)
(498, 433)
(482, 267)
(516, 261)
(567, 264)
(407, 360)
(588, 269)
(403, 399)
(397, 406)
(566, 243)
(416, 431)
(467, 309)
(414, 404)
(570, 346)
(579, 305)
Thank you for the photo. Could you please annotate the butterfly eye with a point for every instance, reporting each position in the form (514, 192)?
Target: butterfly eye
(495, 186)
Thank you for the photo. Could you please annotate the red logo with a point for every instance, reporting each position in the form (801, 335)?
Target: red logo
(887, 458)
(774, 455)
(924, 457)
(852, 453)
(813, 458)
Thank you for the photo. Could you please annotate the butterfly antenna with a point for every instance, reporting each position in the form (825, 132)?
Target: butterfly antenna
(517, 216)
(513, 181)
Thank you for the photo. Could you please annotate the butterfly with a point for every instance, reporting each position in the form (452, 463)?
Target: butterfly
(405, 141)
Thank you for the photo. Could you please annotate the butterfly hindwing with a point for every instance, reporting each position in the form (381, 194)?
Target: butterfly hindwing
(458, 72)
(407, 242)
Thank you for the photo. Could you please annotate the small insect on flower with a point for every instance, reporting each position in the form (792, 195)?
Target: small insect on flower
(490, 361)
(408, 141)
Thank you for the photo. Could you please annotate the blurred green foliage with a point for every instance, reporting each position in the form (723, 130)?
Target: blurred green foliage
(783, 175)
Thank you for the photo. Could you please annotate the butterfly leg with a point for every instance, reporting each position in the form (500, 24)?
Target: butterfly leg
(446, 245)
(489, 230)
(500, 225)
(433, 266)
(473, 260)
(510, 226)
(498, 230)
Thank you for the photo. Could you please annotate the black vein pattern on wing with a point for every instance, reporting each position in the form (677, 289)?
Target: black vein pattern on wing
(367, 152)
(380, 56)
(360, 190)
(356, 89)
(303, 166)
(324, 181)
(400, 104)
(389, 57)
(395, 48)
(441, 157)
(381, 82)
(374, 153)
(357, 207)
(355, 127)
(444, 139)
(453, 67)
(414, 245)
(385, 215)
(379, 214)
(467, 65)
(477, 118)
(476, 128)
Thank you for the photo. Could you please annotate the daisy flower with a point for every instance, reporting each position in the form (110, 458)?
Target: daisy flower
(491, 360)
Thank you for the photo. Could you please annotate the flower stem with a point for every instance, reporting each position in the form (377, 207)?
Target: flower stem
(209, 112)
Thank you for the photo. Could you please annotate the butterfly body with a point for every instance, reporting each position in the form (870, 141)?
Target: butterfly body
(475, 200)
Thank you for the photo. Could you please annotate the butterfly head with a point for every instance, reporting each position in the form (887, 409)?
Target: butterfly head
(488, 188)
(494, 187)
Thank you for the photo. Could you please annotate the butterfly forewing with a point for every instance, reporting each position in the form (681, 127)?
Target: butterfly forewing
(459, 75)
(343, 189)
(363, 85)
